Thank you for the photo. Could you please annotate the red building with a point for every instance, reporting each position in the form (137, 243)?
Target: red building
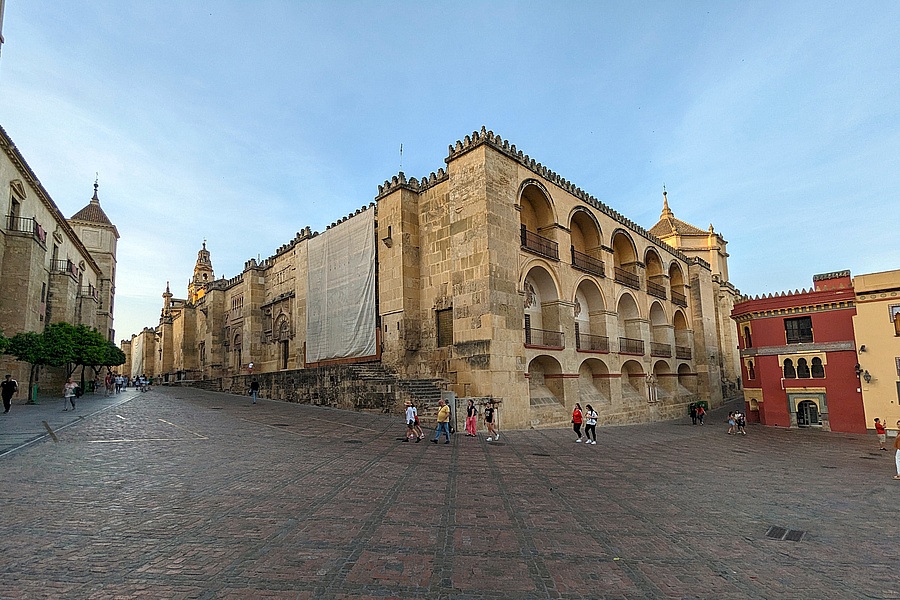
(798, 357)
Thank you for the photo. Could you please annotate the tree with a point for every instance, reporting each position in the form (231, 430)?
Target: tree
(29, 347)
(4, 343)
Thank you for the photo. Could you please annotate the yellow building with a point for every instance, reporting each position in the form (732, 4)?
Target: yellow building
(877, 329)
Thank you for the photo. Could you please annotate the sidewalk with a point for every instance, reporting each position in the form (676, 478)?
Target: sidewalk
(24, 423)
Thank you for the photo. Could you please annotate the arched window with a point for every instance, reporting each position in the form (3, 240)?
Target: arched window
(748, 339)
(818, 370)
(789, 372)
(751, 372)
(802, 369)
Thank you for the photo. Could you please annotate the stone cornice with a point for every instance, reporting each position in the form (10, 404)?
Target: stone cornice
(848, 346)
(9, 148)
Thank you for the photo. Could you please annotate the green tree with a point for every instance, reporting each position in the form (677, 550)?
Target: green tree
(29, 347)
(4, 343)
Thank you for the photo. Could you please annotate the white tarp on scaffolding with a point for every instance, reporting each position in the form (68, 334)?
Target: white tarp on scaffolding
(340, 306)
(137, 356)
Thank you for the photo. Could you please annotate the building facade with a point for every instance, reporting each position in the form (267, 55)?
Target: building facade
(494, 276)
(53, 269)
(877, 329)
(799, 357)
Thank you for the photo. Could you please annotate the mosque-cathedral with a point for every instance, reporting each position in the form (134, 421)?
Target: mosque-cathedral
(491, 278)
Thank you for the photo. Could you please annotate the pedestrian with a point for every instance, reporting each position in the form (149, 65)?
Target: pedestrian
(8, 388)
(471, 419)
(590, 424)
(882, 433)
(577, 420)
(109, 383)
(254, 390)
(417, 428)
(693, 412)
(731, 423)
(443, 422)
(897, 448)
(490, 418)
(69, 394)
(701, 412)
(741, 419)
(410, 417)
(120, 383)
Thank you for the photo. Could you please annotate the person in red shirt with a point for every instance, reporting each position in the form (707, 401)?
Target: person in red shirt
(882, 433)
(577, 420)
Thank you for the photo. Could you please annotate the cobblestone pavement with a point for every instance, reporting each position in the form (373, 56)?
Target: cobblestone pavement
(179, 493)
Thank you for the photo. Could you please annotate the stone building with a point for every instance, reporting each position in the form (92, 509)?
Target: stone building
(493, 277)
(799, 356)
(877, 329)
(53, 269)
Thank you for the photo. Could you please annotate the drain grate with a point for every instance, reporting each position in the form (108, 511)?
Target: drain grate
(353, 441)
(780, 533)
(280, 424)
(539, 454)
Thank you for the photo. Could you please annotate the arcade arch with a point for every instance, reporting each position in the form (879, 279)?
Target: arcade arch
(590, 318)
(593, 384)
(545, 383)
(586, 248)
(542, 308)
(625, 260)
(538, 220)
(629, 321)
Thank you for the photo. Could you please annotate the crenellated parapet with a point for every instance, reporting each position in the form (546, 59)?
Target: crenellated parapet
(478, 138)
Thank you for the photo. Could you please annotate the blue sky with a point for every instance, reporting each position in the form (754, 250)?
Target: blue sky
(243, 122)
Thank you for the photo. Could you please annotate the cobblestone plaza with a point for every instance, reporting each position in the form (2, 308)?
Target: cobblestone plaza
(181, 493)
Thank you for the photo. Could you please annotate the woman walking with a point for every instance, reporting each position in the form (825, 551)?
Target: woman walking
(471, 419)
(732, 424)
(69, 394)
(577, 420)
(590, 425)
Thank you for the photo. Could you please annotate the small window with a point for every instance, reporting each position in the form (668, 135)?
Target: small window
(802, 369)
(751, 372)
(444, 327)
(818, 369)
(748, 339)
(798, 330)
(789, 372)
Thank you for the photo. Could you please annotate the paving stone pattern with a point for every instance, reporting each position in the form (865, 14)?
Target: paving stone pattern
(182, 493)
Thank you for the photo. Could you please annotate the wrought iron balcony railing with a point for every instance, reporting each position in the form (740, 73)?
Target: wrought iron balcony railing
(591, 343)
(539, 244)
(661, 350)
(587, 263)
(679, 299)
(631, 346)
(627, 279)
(683, 352)
(655, 289)
(544, 338)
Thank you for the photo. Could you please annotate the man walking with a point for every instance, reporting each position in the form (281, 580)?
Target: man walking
(254, 390)
(882, 433)
(8, 389)
(443, 422)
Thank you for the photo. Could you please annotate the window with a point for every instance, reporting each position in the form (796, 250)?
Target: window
(895, 318)
(285, 353)
(802, 369)
(748, 339)
(799, 330)
(789, 372)
(751, 372)
(444, 327)
(818, 370)
(202, 352)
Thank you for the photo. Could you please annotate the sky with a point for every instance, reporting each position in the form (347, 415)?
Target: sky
(242, 122)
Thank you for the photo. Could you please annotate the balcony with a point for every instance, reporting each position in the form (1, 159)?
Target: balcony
(661, 350)
(587, 263)
(544, 338)
(89, 292)
(628, 279)
(591, 343)
(27, 226)
(683, 352)
(539, 244)
(631, 346)
(64, 266)
(654, 289)
(679, 299)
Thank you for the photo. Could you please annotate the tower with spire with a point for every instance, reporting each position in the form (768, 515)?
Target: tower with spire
(203, 275)
(709, 246)
(100, 236)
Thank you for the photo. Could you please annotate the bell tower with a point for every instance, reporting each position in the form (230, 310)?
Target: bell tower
(203, 275)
